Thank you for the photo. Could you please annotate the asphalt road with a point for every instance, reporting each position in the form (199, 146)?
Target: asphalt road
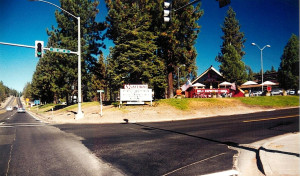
(30, 147)
(191, 147)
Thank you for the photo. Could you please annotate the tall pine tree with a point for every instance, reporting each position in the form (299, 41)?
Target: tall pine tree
(57, 71)
(177, 39)
(288, 72)
(232, 66)
(133, 59)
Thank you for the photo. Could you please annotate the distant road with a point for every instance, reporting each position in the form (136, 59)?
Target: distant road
(190, 147)
(9, 103)
(30, 147)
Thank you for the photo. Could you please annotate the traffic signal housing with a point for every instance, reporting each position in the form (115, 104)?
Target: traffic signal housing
(223, 3)
(39, 47)
(167, 11)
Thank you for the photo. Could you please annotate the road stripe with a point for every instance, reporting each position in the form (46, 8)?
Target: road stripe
(193, 164)
(224, 173)
(274, 118)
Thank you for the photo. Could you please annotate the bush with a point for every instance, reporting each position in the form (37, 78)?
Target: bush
(115, 104)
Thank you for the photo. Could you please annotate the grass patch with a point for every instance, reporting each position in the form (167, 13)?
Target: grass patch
(48, 107)
(264, 101)
(188, 103)
(83, 105)
(181, 104)
(272, 101)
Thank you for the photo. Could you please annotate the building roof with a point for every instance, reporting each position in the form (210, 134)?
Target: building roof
(206, 71)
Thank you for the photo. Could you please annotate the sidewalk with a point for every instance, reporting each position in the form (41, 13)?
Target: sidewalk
(277, 156)
(280, 156)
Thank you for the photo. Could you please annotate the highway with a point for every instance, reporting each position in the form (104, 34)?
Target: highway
(190, 147)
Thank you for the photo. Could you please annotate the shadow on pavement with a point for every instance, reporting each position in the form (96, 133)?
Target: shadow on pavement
(228, 143)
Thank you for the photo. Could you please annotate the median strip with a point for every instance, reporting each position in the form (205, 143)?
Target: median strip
(274, 118)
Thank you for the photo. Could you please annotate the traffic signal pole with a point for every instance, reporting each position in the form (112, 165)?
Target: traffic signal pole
(19, 45)
(33, 47)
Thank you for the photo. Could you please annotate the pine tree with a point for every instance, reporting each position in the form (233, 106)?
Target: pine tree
(250, 76)
(288, 72)
(98, 79)
(133, 58)
(232, 66)
(59, 71)
(177, 39)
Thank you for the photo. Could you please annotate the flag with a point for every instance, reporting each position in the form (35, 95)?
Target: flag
(186, 85)
(233, 87)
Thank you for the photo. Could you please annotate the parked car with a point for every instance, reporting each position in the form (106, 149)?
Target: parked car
(276, 91)
(21, 110)
(9, 108)
(292, 92)
(256, 93)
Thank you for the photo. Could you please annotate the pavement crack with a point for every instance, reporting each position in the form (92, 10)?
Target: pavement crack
(10, 153)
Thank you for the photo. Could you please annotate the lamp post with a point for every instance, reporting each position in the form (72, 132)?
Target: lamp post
(261, 60)
(79, 112)
(178, 73)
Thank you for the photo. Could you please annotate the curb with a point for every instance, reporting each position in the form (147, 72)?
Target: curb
(35, 117)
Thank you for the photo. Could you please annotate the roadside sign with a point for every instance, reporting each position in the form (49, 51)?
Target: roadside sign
(60, 50)
(37, 102)
(101, 106)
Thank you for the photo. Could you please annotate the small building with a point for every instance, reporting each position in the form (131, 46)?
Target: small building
(211, 78)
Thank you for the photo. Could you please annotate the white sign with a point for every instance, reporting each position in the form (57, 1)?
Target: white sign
(138, 95)
(136, 86)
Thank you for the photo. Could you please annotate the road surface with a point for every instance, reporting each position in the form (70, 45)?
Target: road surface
(190, 147)
(30, 147)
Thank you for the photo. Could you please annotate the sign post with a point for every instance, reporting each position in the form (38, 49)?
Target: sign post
(100, 91)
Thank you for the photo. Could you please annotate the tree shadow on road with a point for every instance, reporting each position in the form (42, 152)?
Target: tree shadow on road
(228, 143)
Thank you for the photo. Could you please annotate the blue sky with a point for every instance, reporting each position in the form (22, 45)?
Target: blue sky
(263, 22)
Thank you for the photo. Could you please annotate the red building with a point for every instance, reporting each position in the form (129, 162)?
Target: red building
(211, 79)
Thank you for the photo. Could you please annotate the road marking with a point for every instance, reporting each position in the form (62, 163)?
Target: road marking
(274, 118)
(10, 125)
(6, 126)
(193, 164)
(224, 173)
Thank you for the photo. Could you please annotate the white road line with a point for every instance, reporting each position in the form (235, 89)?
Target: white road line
(193, 164)
(11, 125)
(224, 173)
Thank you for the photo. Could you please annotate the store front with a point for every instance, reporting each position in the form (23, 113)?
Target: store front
(211, 80)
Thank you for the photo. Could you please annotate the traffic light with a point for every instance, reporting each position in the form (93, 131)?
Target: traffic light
(167, 11)
(223, 3)
(39, 47)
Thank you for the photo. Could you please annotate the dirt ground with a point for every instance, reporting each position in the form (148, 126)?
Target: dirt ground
(146, 113)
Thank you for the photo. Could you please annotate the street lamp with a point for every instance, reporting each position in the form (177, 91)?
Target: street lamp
(178, 73)
(261, 60)
(79, 112)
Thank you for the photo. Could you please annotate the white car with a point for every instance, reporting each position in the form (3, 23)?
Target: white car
(20, 110)
(256, 93)
(9, 108)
